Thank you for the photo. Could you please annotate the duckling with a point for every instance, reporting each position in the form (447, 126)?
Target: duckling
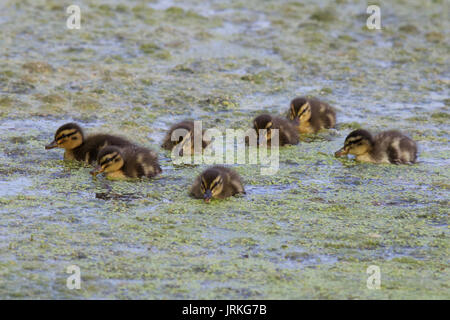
(311, 114)
(217, 182)
(78, 147)
(386, 147)
(287, 132)
(186, 130)
(128, 162)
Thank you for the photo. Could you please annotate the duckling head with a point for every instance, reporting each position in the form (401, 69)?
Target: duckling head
(180, 137)
(357, 143)
(68, 136)
(110, 159)
(300, 109)
(169, 144)
(211, 184)
(263, 121)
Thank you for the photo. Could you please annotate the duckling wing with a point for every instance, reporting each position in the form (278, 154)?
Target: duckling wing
(236, 183)
(195, 190)
(396, 147)
(141, 162)
(288, 133)
(322, 115)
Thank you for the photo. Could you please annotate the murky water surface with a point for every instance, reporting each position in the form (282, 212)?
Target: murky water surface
(310, 231)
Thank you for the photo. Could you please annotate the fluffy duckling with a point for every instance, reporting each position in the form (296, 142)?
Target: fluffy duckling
(184, 134)
(217, 182)
(79, 147)
(311, 114)
(386, 147)
(129, 162)
(287, 132)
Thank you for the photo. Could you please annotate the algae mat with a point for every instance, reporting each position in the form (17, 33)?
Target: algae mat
(310, 231)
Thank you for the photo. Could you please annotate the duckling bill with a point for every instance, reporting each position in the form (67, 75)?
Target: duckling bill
(184, 141)
(77, 146)
(287, 132)
(128, 162)
(311, 114)
(386, 147)
(217, 182)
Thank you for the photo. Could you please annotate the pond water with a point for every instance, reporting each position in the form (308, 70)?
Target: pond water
(310, 231)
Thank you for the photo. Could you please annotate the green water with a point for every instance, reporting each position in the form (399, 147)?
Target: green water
(310, 231)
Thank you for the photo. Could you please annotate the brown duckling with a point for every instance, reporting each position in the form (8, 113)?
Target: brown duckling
(217, 182)
(184, 134)
(311, 114)
(128, 162)
(79, 147)
(287, 132)
(386, 147)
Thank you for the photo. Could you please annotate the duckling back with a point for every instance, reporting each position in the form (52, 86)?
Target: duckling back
(288, 133)
(140, 162)
(323, 115)
(394, 147)
(89, 150)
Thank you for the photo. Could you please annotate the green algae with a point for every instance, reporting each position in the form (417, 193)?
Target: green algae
(324, 15)
(310, 231)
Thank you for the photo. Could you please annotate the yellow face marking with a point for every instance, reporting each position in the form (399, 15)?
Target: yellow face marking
(365, 157)
(203, 185)
(108, 157)
(357, 150)
(304, 113)
(69, 139)
(216, 186)
(215, 180)
(268, 135)
(65, 133)
(353, 139)
(111, 162)
(116, 175)
(292, 113)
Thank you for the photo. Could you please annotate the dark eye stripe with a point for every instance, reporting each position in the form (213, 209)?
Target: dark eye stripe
(215, 184)
(353, 142)
(109, 160)
(304, 110)
(65, 135)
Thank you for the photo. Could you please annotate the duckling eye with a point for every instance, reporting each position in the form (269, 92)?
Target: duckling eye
(215, 184)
